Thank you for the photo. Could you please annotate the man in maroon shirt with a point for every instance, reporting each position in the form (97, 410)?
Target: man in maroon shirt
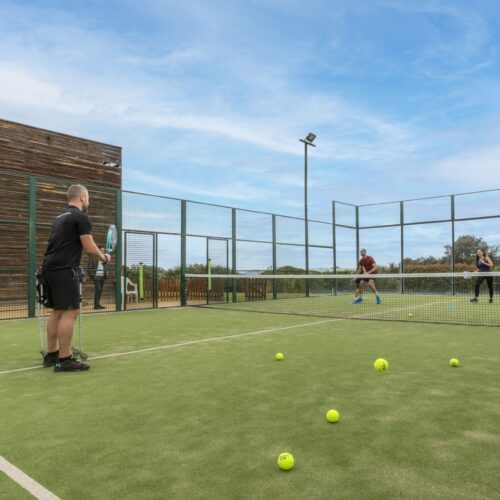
(367, 266)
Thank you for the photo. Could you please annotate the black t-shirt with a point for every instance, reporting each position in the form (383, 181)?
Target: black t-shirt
(65, 248)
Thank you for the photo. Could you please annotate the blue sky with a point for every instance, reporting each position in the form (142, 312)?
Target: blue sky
(208, 98)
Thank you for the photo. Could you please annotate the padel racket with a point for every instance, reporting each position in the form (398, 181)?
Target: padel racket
(111, 238)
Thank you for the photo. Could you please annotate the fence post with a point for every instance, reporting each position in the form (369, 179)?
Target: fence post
(274, 256)
(32, 247)
(452, 207)
(233, 253)
(183, 289)
(357, 234)
(402, 257)
(118, 253)
(334, 243)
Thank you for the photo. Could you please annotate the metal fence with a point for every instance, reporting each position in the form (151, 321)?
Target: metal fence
(28, 205)
(433, 234)
(161, 238)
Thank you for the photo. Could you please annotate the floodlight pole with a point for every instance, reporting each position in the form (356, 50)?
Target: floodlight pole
(306, 218)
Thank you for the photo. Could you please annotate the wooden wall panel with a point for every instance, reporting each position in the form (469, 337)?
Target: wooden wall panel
(56, 161)
(14, 246)
(14, 198)
(36, 151)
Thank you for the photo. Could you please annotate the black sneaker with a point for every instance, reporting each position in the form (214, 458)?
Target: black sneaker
(491, 301)
(50, 359)
(70, 365)
(474, 300)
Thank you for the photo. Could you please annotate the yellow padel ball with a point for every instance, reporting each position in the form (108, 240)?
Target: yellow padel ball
(286, 461)
(333, 416)
(381, 365)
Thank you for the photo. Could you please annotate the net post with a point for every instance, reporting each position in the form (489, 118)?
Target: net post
(183, 288)
(32, 247)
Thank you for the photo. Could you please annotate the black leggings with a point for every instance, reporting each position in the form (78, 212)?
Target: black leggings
(479, 280)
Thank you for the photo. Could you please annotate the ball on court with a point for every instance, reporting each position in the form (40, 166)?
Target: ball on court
(454, 362)
(410, 315)
(381, 364)
(333, 416)
(286, 461)
(279, 356)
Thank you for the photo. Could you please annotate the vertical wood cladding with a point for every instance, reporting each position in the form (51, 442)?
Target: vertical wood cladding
(40, 152)
(56, 160)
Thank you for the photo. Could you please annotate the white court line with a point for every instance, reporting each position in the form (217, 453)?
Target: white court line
(23, 480)
(237, 335)
(22, 369)
(369, 315)
(191, 342)
(225, 337)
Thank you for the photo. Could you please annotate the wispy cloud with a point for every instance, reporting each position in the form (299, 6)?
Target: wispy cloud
(230, 191)
(397, 92)
(273, 118)
(457, 38)
(469, 170)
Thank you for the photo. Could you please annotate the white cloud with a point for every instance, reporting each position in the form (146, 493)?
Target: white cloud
(451, 53)
(97, 99)
(170, 61)
(220, 191)
(469, 170)
(21, 87)
(237, 109)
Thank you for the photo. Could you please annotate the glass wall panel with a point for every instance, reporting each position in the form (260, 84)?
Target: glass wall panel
(426, 248)
(428, 210)
(254, 226)
(477, 205)
(378, 215)
(384, 245)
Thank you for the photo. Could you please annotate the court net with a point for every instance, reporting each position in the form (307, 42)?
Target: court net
(418, 297)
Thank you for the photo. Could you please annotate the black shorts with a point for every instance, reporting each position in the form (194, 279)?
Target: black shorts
(62, 289)
(364, 280)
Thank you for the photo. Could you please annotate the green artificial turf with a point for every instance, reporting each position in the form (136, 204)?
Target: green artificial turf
(426, 308)
(208, 420)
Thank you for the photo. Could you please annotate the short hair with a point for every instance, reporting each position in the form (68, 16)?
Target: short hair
(75, 191)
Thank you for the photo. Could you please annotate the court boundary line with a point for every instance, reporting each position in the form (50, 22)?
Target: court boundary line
(25, 481)
(225, 337)
(190, 342)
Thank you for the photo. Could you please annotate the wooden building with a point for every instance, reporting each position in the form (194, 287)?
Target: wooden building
(36, 168)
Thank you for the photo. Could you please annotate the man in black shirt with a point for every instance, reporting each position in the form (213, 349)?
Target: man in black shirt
(71, 232)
